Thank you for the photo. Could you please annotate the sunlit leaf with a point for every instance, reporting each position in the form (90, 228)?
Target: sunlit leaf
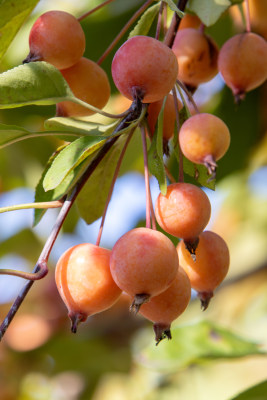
(257, 392)
(174, 8)
(144, 24)
(209, 11)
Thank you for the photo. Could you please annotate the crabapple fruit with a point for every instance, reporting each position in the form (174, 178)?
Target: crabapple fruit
(242, 63)
(184, 211)
(167, 306)
(57, 38)
(204, 139)
(145, 67)
(190, 21)
(143, 264)
(89, 82)
(197, 56)
(210, 267)
(84, 281)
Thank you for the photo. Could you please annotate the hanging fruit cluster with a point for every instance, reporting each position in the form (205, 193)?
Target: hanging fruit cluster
(154, 75)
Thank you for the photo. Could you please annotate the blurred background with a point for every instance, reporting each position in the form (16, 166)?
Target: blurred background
(215, 354)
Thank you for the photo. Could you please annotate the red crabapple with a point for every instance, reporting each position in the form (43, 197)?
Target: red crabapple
(84, 281)
(57, 38)
(89, 82)
(169, 305)
(143, 264)
(145, 67)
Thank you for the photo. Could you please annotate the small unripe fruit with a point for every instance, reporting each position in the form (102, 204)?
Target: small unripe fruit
(57, 38)
(197, 56)
(242, 63)
(169, 305)
(143, 263)
(84, 281)
(204, 139)
(89, 82)
(210, 266)
(145, 67)
(184, 211)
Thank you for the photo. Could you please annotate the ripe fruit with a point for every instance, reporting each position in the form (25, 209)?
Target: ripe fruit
(210, 267)
(197, 56)
(204, 139)
(190, 21)
(184, 211)
(143, 263)
(145, 67)
(242, 63)
(167, 306)
(56, 37)
(88, 82)
(84, 281)
(169, 116)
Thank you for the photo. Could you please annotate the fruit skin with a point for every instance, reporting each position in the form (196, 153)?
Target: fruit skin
(169, 116)
(56, 37)
(84, 281)
(89, 82)
(184, 211)
(169, 305)
(190, 21)
(143, 261)
(144, 64)
(204, 135)
(211, 264)
(242, 63)
(197, 56)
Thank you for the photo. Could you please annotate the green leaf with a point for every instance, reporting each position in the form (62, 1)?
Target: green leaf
(92, 198)
(144, 24)
(10, 134)
(34, 83)
(155, 154)
(174, 8)
(69, 158)
(61, 190)
(209, 11)
(194, 343)
(257, 392)
(13, 14)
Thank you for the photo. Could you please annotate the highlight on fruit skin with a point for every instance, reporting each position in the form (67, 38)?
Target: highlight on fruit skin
(145, 67)
(84, 282)
(88, 82)
(163, 309)
(197, 55)
(184, 211)
(57, 38)
(210, 266)
(204, 139)
(242, 63)
(143, 264)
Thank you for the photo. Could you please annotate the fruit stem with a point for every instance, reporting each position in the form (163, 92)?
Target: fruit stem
(115, 176)
(139, 299)
(248, 23)
(170, 35)
(93, 10)
(124, 30)
(189, 95)
(42, 205)
(169, 175)
(41, 273)
(148, 193)
(181, 166)
(159, 23)
(134, 113)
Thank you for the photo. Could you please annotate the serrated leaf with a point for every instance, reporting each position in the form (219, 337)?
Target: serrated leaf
(34, 83)
(174, 8)
(209, 11)
(10, 134)
(13, 14)
(60, 190)
(92, 198)
(194, 343)
(144, 23)
(69, 158)
(257, 392)
(155, 154)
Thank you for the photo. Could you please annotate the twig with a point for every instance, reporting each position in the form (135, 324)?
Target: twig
(170, 35)
(181, 166)
(148, 194)
(42, 205)
(159, 23)
(189, 95)
(94, 9)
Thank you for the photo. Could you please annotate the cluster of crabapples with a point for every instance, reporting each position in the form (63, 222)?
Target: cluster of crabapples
(144, 263)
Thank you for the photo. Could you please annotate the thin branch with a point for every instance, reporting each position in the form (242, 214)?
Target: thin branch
(135, 112)
(181, 166)
(94, 9)
(124, 30)
(189, 95)
(148, 194)
(41, 273)
(159, 23)
(170, 35)
(42, 205)
(169, 175)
